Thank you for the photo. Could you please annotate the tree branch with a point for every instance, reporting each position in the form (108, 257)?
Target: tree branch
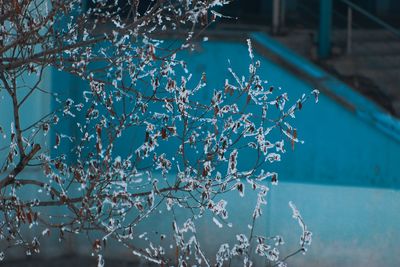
(20, 167)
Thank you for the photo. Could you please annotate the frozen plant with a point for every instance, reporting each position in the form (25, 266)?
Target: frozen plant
(187, 150)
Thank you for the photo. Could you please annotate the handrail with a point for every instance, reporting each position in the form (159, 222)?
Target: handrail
(372, 17)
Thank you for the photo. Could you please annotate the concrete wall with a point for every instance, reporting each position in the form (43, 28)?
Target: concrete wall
(337, 178)
(344, 179)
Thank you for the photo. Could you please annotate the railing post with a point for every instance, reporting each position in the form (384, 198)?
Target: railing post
(349, 29)
(282, 15)
(276, 7)
(325, 24)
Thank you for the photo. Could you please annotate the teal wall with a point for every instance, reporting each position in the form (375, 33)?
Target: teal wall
(334, 178)
(340, 148)
(344, 178)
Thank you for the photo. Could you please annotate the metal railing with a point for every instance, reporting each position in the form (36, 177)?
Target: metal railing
(350, 7)
(350, 17)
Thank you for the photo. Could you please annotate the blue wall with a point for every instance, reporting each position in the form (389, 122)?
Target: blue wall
(340, 147)
(334, 178)
(339, 178)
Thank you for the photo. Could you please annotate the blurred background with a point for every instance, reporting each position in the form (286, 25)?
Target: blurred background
(345, 177)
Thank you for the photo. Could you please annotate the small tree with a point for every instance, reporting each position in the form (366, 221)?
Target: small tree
(136, 82)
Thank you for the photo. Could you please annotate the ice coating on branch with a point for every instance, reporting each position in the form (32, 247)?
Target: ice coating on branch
(306, 236)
